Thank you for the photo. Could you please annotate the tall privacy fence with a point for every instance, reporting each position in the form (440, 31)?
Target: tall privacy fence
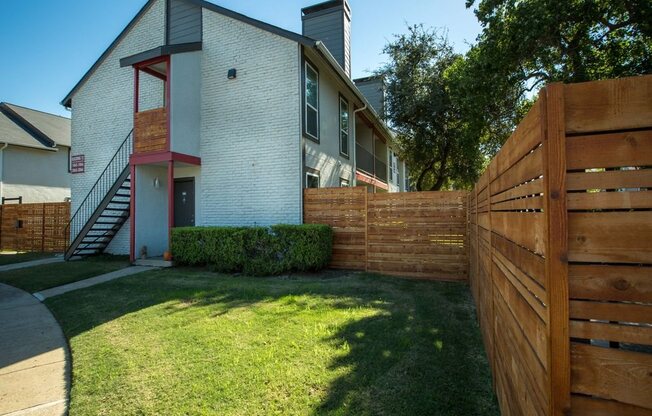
(560, 229)
(420, 235)
(34, 227)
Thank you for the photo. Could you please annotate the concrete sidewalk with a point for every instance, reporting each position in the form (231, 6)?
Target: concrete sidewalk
(34, 357)
(60, 290)
(26, 264)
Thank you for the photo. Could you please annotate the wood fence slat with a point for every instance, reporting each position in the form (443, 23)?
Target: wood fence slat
(610, 283)
(610, 150)
(524, 229)
(610, 237)
(609, 311)
(632, 334)
(609, 200)
(591, 406)
(527, 169)
(612, 374)
(613, 179)
(609, 105)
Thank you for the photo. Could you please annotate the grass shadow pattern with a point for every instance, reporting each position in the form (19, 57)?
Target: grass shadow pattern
(187, 341)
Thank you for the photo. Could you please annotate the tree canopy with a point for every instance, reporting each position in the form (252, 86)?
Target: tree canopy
(421, 108)
(449, 109)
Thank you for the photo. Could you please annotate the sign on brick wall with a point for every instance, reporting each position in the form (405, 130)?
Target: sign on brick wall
(77, 164)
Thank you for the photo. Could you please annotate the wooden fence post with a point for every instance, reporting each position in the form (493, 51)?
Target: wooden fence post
(366, 230)
(42, 228)
(556, 262)
(492, 176)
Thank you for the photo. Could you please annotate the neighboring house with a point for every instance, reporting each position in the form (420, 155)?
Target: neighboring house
(34, 156)
(231, 118)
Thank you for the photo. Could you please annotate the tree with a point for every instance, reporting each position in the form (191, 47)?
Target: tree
(431, 133)
(527, 43)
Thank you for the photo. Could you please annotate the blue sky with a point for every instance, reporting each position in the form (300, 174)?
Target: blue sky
(48, 45)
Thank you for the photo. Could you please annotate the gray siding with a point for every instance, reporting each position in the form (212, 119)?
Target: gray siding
(373, 91)
(333, 28)
(184, 22)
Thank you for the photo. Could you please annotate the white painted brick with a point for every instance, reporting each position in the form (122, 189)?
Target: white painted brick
(102, 109)
(250, 126)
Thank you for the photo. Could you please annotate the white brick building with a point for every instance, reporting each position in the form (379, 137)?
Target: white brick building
(197, 115)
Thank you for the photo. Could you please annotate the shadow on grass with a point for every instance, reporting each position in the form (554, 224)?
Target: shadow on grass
(419, 354)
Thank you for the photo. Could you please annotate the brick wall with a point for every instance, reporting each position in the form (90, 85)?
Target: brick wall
(102, 109)
(250, 126)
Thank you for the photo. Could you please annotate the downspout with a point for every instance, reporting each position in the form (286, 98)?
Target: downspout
(355, 145)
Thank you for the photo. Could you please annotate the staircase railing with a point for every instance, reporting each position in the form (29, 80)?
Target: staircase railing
(99, 190)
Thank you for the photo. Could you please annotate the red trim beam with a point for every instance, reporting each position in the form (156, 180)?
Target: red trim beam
(371, 181)
(158, 157)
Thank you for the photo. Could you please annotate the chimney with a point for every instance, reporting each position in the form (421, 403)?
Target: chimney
(373, 89)
(330, 22)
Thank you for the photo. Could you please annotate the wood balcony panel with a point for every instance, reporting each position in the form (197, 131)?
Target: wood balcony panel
(151, 131)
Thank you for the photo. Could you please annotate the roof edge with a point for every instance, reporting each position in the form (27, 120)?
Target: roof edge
(304, 40)
(43, 138)
(323, 50)
(67, 101)
(159, 51)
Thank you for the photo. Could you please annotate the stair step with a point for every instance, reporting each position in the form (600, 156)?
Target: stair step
(120, 202)
(116, 209)
(79, 252)
(107, 222)
(115, 216)
(123, 195)
(104, 233)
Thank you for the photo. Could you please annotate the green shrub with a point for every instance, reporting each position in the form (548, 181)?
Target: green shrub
(256, 251)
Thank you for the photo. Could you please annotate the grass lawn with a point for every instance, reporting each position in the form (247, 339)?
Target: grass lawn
(184, 341)
(11, 257)
(34, 279)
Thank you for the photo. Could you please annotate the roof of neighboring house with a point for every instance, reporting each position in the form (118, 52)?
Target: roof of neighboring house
(21, 126)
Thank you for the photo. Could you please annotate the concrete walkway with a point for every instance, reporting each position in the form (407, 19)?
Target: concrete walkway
(32, 263)
(56, 291)
(34, 374)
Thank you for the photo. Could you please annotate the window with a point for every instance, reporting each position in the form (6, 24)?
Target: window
(344, 183)
(312, 102)
(312, 179)
(344, 127)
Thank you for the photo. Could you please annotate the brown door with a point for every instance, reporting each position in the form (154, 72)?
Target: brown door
(184, 202)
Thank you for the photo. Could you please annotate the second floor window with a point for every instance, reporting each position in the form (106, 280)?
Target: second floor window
(344, 127)
(312, 102)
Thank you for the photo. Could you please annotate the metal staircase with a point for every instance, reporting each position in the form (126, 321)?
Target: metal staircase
(105, 209)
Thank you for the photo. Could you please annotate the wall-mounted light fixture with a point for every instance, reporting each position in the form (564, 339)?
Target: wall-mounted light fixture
(232, 73)
(157, 183)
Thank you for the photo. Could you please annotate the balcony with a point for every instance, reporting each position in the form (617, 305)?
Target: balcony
(151, 131)
(369, 164)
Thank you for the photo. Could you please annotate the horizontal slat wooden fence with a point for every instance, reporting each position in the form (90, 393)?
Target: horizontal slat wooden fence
(415, 234)
(560, 228)
(34, 227)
